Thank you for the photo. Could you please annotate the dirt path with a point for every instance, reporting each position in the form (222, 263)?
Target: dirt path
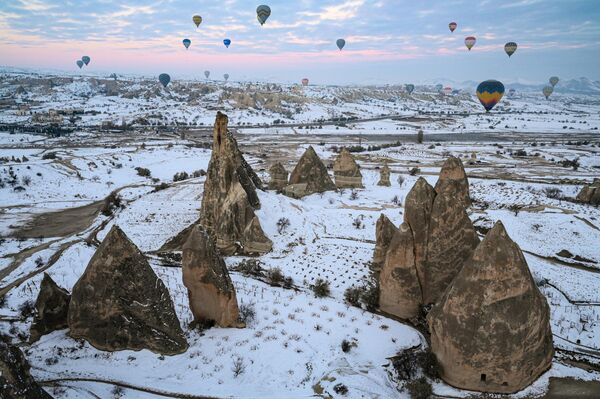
(157, 392)
(21, 256)
(569, 388)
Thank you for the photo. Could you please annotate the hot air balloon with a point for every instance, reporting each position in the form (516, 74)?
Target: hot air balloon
(305, 82)
(548, 90)
(79, 63)
(226, 76)
(207, 74)
(452, 26)
(512, 92)
(470, 42)
(197, 20)
(439, 87)
(186, 43)
(86, 60)
(262, 13)
(447, 90)
(164, 78)
(340, 43)
(490, 93)
(227, 42)
(554, 80)
(510, 48)
(410, 88)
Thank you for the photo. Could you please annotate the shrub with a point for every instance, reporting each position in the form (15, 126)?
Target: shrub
(288, 282)
(414, 171)
(340, 389)
(275, 276)
(353, 195)
(420, 137)
(352, 296)
(180, 176)
(144, 172)
(321, 288)
(370, 296)
(553, 192)
(247, 312)
(161, 186)
(357, 223)
(39, 262)
(282, 225)
(27, 309)
(199, 173)
(112, 202)
(26, 180)
(419, 389)
(400, 180)
(117, 392)
(347, 345)
(49, 155)
(566, 163)
(238, 367)
(250, 267)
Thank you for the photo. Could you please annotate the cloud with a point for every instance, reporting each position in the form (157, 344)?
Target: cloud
(35, 6)
(340, 12)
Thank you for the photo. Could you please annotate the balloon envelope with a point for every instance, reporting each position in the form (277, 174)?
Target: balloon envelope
(186, 43)
(553, 80)
(227, 42)
(511, 92)
(340, 43)
(452, 26)
(197, 20)
(305, 82)
(470, 42)
(510, 48)
(439, 87)
(207, 74)
(226, 76)
(447, 90)
(262, 13)
(410, 88)
(548, 90)
(85, 59)
(164, 78)
(79, 63)
(490, 93)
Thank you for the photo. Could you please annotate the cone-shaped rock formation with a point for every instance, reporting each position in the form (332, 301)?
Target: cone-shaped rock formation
(210, 290)
(384, 232)
(279, 177)
(384, 176)
(346, 171)
(491, 330)
(453, 181)
(590, 194)
(51, 308)
(230, 197)
(119, 302)
(15, 380)
(309, 176)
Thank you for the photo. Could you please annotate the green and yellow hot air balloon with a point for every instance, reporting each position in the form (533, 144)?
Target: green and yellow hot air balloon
(197, 20)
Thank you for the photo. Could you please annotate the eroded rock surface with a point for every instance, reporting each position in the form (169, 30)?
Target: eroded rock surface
(279, 177)
(309, 176)
(119, 303)
(210, 290)
(15, 380)
(590, 194)
(384, 232)
(491, 330)
(384, 176)
(453, 181)
(51, 308)
(346, 171)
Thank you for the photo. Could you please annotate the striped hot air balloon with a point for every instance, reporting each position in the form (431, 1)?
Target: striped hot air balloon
(510, 48)
(490, 93)
(452, 26)
(305, 82)
(262, 13)
(470, 42)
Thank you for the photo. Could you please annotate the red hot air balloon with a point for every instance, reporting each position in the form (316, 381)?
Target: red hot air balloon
(452, 26)
(305, 82)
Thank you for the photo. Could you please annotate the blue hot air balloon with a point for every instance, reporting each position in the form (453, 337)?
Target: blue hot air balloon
(79, 63)
(86, 60)
(186, 43)
(490, 93)
(227, 42)
(164, 78)
(340, 43)
(410, 88)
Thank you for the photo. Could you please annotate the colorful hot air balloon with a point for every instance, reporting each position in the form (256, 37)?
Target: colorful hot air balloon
(510, 48)
(164, 78)
(410, 88)
(305, 82)
(227, 42)
(512, 92)
(452, 26)
(447, 90)
(197, 20)
(340, 43)
(186, 43)
(553, 80)
(207, 74)
(548, 90)
(470, 42)
(79, 63)
(262, 13)
(226, 76)
(490, 93)
(85, 59)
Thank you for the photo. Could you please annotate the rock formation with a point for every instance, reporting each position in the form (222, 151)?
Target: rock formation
(15, 380)
(119, 303)
(491, 330)
(210, 290)
(230, 197)
(346, 171)
(309, 176)
(400, 291)
(51, 309)
(176, 243)
(590, 194)
(384, 176)
(279, 177)
(384, 232)
(451, 242)
(453, 181)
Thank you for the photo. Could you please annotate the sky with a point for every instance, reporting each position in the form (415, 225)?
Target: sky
(387, 41)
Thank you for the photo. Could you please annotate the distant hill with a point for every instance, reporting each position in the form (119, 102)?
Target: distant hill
(573, 86)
